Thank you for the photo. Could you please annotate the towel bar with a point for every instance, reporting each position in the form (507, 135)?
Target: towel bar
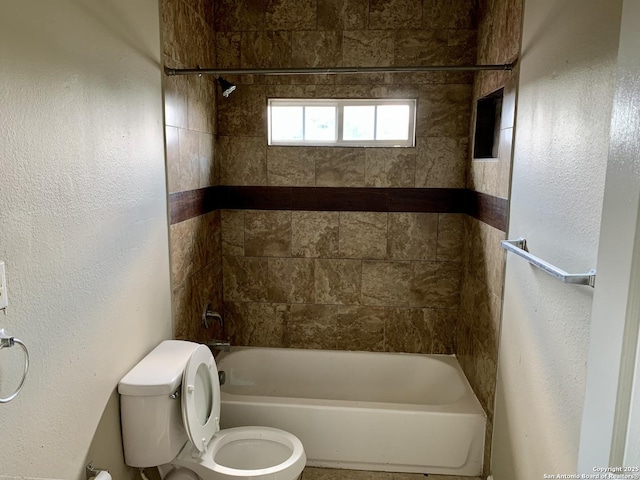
(519, 247)
(9, 341)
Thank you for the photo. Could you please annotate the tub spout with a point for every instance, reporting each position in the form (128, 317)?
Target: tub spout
(223, 345)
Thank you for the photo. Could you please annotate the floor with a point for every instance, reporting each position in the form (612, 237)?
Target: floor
(312, 473)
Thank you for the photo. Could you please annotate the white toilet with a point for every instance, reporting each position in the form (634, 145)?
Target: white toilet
(170, 410)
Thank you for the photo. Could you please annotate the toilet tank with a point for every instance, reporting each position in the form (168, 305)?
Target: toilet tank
(152, 429)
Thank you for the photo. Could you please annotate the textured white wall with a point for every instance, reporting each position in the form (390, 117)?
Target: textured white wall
(83, 223)
(562, 135)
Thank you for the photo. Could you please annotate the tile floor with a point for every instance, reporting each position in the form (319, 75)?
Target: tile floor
(312, 473)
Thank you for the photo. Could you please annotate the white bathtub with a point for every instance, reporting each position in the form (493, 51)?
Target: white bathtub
(358, 410)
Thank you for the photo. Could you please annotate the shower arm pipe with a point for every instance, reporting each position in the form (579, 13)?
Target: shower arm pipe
(334, 71)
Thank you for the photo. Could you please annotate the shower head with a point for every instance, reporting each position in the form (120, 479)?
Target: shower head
(227, 87)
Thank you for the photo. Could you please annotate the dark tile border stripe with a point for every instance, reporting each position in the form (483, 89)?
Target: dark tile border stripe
(491, 210)
(487, 208)
(191, 203)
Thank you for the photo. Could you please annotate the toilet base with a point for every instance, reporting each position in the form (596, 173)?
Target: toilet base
(181, 474)
(169, 472)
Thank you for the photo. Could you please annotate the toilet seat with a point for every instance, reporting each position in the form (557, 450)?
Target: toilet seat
(201, 398)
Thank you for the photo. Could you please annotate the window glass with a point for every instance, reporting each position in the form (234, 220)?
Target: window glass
(392, 122)
(320, 123)
(359, 122)
(286, 123)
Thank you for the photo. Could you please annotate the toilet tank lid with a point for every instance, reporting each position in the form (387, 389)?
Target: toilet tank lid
(160, 372)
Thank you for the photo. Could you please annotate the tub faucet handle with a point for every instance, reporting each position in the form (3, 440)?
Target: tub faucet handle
(207, 313)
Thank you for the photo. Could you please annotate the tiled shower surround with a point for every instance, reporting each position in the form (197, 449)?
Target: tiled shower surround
(354, 280)
(428, 282)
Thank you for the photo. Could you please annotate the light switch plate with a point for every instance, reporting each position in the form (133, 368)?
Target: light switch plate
(3, 288)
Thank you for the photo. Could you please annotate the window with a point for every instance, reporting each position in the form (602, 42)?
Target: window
(331, 122)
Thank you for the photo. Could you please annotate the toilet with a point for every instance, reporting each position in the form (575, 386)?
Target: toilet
(170, 411)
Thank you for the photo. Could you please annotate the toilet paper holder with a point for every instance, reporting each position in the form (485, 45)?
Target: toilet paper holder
(92, 472)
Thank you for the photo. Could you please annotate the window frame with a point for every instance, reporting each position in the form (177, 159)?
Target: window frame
(340, 103)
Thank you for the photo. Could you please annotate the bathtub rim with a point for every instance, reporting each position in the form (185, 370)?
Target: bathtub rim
(467, 404)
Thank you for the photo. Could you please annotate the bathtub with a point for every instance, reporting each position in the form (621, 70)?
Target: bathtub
(389, 412)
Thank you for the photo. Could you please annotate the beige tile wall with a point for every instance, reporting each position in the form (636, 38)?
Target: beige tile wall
(332, 33)
(190, 123)
(499, 31)
(196, 273)
(190, 101)
(478, 328)
(348, 280)
(438, 160)
(353, 280)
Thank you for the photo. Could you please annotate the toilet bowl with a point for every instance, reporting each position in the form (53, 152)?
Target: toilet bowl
(261, 453)
(170, 408)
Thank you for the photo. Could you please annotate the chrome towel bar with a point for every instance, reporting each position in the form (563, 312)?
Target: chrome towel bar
(519, 247)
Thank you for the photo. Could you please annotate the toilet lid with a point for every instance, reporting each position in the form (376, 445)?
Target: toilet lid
(201, 398)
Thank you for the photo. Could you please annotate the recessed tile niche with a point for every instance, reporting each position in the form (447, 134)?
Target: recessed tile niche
(486, 138)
